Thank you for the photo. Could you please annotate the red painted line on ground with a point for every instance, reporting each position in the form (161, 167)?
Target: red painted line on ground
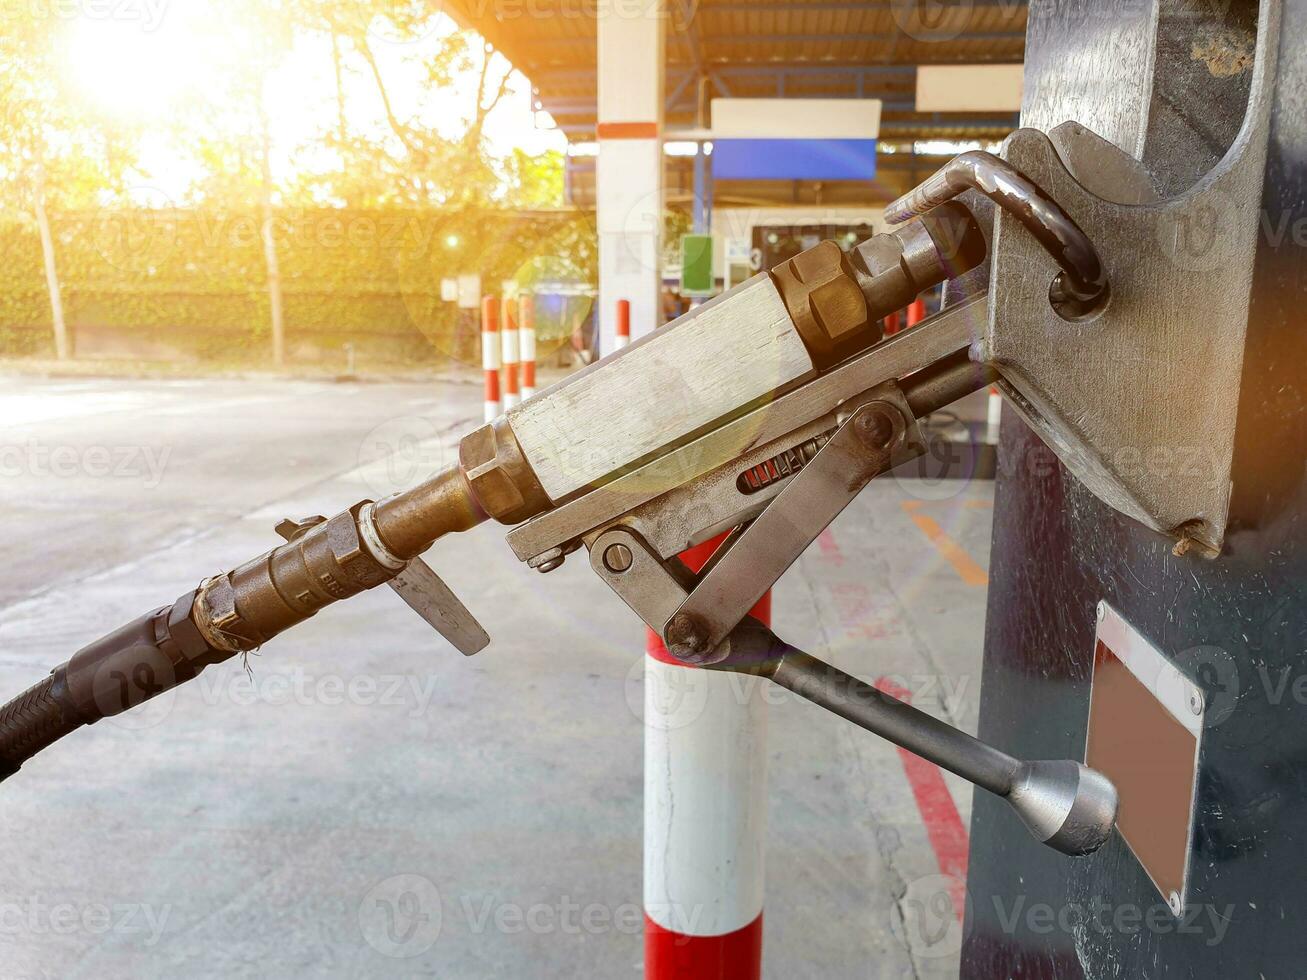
(674, 956)
(944, 828)
(830, 547)
(948, 837)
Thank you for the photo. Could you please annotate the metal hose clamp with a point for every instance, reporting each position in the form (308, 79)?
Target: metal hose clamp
(371, 538)
(1082, 283)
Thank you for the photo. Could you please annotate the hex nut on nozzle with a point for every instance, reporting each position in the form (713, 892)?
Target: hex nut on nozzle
(822, 295)
(500, 477)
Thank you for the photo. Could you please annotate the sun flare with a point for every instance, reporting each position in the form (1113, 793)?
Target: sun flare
(138, 69)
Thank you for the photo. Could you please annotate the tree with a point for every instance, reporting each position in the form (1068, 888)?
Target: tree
(238, 146)
(54, 155)
(533, 181)
(419, 164)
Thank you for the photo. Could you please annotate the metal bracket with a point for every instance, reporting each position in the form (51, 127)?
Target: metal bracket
(695, 614)
(654, 589)
(1139, 399)
(877, 435)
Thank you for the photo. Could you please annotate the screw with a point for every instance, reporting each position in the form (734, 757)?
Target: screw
(1196, 701)
(617, 558)
(547, 561)
(1102, 611)
(875, 428)
(1173, 900)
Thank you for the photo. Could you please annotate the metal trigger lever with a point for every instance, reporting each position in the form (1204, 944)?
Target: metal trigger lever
(415, 582)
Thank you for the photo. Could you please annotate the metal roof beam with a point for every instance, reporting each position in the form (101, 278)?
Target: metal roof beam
(847, 38)
(897, 129)
(798, 6)
(856, 37)
(571, 108)
(545, 75)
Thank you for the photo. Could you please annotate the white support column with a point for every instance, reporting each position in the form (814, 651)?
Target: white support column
(629, 170)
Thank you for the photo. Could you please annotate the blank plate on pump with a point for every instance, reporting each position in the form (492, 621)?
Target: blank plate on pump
(1145, 734)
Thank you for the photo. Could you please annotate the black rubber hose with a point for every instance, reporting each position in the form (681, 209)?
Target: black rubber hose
(35, 719)
(120, 670)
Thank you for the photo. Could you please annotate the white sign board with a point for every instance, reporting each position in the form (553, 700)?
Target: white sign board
(969, 88)
(796, 119)
(469, 292)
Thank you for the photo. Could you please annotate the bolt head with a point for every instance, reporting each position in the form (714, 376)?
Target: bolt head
(685, 636)
(1102, 611)
(875, 428)
(617, 558)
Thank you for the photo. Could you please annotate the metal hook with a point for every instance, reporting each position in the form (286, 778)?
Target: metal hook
(1083, 282)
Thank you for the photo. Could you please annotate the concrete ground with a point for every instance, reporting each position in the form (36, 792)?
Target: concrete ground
(365, 802)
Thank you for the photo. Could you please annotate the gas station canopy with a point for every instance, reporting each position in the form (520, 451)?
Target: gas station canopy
(773, 49)
(767, 48)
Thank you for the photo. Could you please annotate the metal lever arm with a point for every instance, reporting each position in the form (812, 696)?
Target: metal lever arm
(876, 436)
(1066, 805)
(415, 582)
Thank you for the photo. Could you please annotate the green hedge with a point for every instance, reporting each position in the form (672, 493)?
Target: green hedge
(197, 279)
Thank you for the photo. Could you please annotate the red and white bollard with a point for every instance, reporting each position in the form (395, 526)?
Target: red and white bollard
(623, 323)
(916, 311)
(892, 324)
(705, 814)
(511, 354)
(490, 352)
(994, 415)
(526, 313)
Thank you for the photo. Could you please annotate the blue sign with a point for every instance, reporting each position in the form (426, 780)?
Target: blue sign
(778, 159)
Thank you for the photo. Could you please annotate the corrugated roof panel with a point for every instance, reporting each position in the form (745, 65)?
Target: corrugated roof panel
(816, 43)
